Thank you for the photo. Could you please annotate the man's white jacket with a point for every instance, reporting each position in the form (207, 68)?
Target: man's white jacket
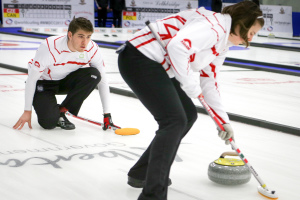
(54, 61)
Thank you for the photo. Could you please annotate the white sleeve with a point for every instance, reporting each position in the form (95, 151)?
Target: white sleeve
(210, 88)
(103, 86)
(189, 40)
(35, 69)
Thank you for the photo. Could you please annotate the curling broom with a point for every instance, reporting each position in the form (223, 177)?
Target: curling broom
(118, 130)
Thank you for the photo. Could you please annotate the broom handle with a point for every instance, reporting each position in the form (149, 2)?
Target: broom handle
(212, 115)
(93, 122)
(232, 143)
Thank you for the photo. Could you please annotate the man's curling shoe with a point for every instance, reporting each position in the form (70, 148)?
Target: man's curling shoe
(64, 123)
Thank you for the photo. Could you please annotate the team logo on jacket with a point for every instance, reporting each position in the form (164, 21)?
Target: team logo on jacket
(187, 43)
(192, 57)
(37, 64)
(40, 88)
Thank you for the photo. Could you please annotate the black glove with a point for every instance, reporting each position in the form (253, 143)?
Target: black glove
(107, 121)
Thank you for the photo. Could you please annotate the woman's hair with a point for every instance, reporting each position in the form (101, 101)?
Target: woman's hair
(244, 14)
(80, 23)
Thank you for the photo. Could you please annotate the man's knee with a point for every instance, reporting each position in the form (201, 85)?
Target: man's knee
(49, 123)
(94, 75)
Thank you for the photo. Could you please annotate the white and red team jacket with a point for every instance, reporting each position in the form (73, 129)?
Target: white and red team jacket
(54, 61)
(196, 41)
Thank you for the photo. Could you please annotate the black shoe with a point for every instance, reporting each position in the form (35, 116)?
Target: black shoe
(64, 123)
(136, 183)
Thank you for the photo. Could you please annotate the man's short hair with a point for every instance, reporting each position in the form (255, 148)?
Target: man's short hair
(80, 23)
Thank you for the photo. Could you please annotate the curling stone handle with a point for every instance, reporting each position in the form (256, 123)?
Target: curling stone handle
(229, 153)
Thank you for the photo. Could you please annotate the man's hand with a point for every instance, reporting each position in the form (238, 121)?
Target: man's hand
(26, 117)
(107, 121)
(228, 133)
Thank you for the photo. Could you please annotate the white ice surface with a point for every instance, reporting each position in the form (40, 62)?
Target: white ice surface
(267, 55)
(262, 95)
(89, 163)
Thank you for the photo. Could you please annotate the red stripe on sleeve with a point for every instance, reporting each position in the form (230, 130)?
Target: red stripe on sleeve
(219, 22)
(213, 69)
(216, 33)
(203, 74)
(168, 68)
(220, 118)
(55, 44)
(93, 56)
(170, 58)
(50, 50)
(49, 71)
(205, 17)
(214, 51)
(93, 45)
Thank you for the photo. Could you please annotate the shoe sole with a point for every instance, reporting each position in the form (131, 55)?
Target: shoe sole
(66, 128)
(140, 184)
(136, 185)
(69, 128)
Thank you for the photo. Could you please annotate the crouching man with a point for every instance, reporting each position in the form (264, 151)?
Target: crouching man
(71, 65)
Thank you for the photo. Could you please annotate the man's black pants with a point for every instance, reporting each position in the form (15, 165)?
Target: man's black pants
(77, 85)
(173, 110)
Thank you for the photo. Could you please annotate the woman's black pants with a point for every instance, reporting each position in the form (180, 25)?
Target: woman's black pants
(173, 110)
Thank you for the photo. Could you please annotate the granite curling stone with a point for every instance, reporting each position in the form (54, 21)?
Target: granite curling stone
(229, 171)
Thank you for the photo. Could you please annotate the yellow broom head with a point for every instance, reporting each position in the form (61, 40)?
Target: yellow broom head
(127, 131)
